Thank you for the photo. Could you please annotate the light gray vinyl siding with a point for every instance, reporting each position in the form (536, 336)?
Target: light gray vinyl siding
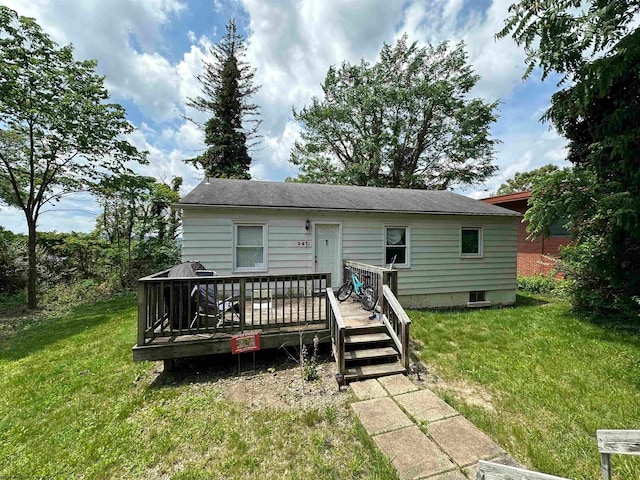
(435, 262)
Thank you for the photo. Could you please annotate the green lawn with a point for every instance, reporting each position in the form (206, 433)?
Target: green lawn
(73, 404)
(553, 378)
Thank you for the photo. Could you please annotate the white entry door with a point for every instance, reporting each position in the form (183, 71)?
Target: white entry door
(327, 244)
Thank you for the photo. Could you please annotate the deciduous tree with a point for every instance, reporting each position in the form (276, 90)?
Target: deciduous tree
(227, 85)
(406, 121)
(594, 48)
(137, 209)
(525, 181)
(57, 131)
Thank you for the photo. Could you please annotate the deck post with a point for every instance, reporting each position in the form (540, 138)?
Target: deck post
(383, 300)
(327, 307)
(142, 313)
(243, 302)
(394, 283)
(405, 345)
(341, 362)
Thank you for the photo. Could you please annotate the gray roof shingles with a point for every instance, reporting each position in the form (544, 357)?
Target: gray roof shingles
(247, 193)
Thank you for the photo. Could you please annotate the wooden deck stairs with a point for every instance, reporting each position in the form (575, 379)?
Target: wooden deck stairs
(369, 353)
(365, 347)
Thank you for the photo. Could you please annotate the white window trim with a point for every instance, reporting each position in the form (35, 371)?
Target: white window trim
(265, 248)
(480, 253)
(407, 236)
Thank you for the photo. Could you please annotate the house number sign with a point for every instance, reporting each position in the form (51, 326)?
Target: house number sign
(303, 243)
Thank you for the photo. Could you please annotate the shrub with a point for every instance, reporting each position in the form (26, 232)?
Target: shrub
(12, 249)
(592, 283)
(67, 295)
(539, 284)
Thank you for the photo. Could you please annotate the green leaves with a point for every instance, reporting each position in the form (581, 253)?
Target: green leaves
(57, 134)
(595, 45)
(405, 121)
(227, 85)
(525, 181)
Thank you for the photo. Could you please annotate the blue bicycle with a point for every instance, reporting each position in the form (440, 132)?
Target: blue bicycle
(365, 294)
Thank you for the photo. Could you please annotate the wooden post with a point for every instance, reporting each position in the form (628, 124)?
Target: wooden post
(394, 283)
(405, 344)
(327, 307)
(340, 349)
(384, 280)
(142, 313)
(243, 302)
(169, 365)
(605, 466)
(384, 306)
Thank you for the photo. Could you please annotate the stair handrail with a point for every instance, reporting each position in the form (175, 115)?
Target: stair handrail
(397, 322)
(337, 329)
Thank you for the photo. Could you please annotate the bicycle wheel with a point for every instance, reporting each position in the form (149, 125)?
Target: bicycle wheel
(368, 298)
(345, 291)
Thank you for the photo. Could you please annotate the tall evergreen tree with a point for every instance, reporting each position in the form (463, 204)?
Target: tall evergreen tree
(227, 84)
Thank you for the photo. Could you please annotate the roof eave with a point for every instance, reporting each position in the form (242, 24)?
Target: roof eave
(355, 210)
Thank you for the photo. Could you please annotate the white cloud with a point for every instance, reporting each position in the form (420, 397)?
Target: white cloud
(292, 44)
(124, 35)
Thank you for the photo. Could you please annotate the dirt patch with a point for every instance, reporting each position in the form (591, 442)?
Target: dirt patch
(276, 381)
(285, 388)
(470, 393)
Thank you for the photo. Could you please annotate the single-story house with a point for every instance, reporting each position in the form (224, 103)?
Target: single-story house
(450, 250)
(535, 257)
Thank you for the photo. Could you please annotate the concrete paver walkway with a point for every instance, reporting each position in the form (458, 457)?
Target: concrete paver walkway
(422, 435)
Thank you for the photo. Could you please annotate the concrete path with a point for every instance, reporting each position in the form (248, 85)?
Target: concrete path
(422, 435)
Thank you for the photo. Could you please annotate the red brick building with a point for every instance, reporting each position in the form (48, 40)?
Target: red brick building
(537, 256)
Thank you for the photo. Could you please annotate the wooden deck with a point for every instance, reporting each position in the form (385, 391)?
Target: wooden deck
(194, 316)
(259, 320)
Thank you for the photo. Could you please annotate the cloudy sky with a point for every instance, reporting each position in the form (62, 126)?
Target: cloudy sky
(151, 50)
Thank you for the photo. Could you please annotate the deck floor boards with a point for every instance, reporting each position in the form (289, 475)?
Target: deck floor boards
(290, 314)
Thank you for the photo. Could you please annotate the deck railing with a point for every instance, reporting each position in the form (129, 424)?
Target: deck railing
(385, 283)
(176, 306)
(397, 322)
(373, 276)
(337, 329)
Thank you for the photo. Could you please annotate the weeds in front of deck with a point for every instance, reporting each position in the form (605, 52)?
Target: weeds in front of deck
(554, 378)
(74, 405)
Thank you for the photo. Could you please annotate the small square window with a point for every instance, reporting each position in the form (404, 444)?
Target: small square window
(558, 229)
(479, 296)
(471, 242)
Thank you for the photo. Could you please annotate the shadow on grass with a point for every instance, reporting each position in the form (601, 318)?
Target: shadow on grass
(530, 300)
(612, 323)
(210, 368)
(40, 331)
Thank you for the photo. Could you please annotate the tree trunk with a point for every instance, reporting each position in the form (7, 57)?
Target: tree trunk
(32, 302)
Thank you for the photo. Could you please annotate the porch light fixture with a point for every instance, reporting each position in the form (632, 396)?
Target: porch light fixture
(307, 225)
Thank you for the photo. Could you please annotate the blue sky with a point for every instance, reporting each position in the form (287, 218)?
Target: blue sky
(151, 50)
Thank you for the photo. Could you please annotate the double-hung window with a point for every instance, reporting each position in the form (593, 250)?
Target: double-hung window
(471, 242)
(249, 253)
(397, 245)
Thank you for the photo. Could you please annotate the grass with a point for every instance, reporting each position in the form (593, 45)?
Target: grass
(73, 404)
(553, 376)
